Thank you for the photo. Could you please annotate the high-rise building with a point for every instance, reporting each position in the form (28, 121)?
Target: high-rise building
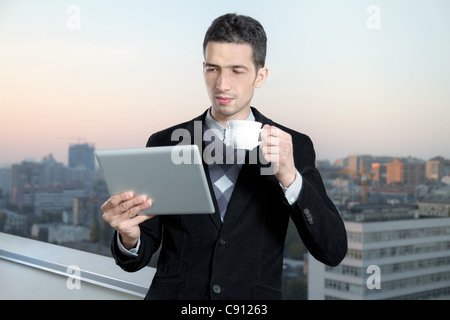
(82, 156)
(5, 180)
(54, 172)
(394, 171)
(358, 165)
(25, 175)
(405, 171)
(434, 168)
(379, 173)
(392, 254)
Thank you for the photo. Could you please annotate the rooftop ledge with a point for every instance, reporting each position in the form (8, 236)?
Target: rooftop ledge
(33, 269)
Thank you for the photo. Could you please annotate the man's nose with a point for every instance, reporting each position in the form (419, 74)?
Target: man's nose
(223, 83)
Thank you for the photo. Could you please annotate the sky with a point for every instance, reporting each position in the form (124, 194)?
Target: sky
(357, 76)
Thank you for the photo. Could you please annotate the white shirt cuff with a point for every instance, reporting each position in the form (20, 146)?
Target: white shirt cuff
(293, 191)
(133, 252)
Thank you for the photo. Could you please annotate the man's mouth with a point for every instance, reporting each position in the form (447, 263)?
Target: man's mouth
(224, 100)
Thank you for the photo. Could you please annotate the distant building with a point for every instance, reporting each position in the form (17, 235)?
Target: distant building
(390, 194)
(435, 168)
(48, 198)
(357, 165)
(379, 173)
(434, 207)
(14, 223)
(405, 171)
(407, 256)
(56, 199)
(341, 163)
(435, 202)
(86, 210)
(5, 181)
(26, 174)
(59, 233)
(372, 167)
(53, 172)
(82, 156)
(446, 179)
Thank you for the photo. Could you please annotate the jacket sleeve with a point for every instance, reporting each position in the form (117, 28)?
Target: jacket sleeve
(150, 242)
(318, 222)
(151, 234)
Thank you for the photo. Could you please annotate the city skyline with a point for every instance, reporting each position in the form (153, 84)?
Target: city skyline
(87, 144)
(113, 74)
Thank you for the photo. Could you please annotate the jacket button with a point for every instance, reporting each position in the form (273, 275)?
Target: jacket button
(222, 242)
(217, 288)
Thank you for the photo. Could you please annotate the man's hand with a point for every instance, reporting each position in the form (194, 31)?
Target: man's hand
(276, 147)
(121, 211)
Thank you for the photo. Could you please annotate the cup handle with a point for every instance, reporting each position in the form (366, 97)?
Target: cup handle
(259, 137)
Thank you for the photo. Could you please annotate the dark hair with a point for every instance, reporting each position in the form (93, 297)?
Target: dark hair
(239, 29)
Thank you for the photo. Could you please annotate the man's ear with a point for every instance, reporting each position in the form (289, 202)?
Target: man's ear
(261, 77)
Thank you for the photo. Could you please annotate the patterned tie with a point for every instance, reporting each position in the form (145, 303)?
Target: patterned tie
(224, 172)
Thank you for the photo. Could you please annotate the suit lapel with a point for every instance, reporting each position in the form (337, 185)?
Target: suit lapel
(215, 217)
(241, 197)
(194, 127)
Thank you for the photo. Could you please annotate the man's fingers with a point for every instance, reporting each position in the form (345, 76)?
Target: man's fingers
(139, 206)
(116, 200)
(142, 217)
(270, 150)
(269, 141)
(276, 145)
(133, 208)
(118, 207)
(127, 205)
(126, 220)
(270, 135)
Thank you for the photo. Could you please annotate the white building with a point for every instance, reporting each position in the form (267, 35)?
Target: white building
(411, 259)
(59, 233)
(55, 199)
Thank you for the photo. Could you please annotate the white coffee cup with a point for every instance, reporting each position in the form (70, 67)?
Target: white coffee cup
(244, 134)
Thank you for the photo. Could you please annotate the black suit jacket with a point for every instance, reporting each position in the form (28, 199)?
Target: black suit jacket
(241, 258)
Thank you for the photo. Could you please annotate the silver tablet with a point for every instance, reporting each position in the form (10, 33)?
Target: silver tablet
(173, 177)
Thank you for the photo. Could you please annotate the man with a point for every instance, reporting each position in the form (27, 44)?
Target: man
(236, 253)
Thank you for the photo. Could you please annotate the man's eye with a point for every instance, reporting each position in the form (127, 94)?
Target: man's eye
(210, 69)
(237, 72)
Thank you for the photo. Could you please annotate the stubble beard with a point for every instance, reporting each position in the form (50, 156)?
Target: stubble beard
(225, 111)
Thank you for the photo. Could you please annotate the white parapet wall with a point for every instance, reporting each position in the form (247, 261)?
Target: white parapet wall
(31, 269)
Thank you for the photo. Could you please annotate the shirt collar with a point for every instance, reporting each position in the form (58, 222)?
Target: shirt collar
(213, 124)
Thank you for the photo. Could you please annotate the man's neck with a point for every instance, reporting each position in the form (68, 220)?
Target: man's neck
(242, 115)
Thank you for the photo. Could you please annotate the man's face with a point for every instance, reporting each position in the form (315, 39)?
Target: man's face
(231, 79)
